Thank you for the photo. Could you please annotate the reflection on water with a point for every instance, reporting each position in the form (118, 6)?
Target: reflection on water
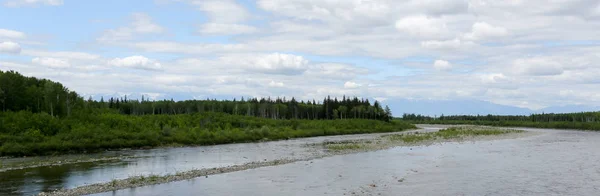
(153, 162)
(29, 181)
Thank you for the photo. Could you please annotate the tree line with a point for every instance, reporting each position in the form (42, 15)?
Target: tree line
(550, 117)
(18, 93)
(278, 108)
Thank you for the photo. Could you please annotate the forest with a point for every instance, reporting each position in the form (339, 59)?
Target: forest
(580, 120)
(40, 95)
(42, 117)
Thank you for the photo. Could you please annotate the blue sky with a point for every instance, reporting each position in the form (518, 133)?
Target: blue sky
(530, 54)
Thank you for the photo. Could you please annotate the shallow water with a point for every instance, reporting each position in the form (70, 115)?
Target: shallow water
(554, 162)
(153, 162)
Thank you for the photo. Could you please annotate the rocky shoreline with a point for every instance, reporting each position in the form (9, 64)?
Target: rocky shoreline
(151, 180)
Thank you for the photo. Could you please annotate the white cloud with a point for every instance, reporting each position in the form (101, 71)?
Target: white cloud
(275, 63)
(226, 29)
(335, 71)
(483, 30)
(10, 47)
(136, 62)
(493, 78)
(276, 84)
(11, 34)
(223, 11)
(421, 26)
(51, 62)
(186, 48)
(442, 65)
(18, 3)
(61, 54)
(446, 44)
(328, 10)
(537, 66)
(171, 79)
(140, 24)
(351, 85)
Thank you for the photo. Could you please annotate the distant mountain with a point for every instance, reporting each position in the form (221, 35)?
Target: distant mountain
(472, 107)
(452, 107)
(569, 109)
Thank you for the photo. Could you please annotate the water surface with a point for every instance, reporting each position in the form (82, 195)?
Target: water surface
(153, 162)
(554, 162)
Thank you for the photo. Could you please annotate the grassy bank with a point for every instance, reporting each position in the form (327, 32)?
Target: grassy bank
(594, 126)
(24, 133)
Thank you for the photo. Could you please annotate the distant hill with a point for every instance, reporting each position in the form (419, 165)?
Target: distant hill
(472, 107)
(452, 107)
(569, 109)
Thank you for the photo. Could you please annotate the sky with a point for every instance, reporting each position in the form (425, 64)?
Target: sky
(525, 53)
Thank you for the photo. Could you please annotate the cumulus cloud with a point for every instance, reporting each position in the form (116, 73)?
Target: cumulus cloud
(51, 62)
(18, 3)
(442, 65)
(141, 24)
(136, 62)
(483, 30)
(226, 29)
(421, 26)
(10, 47)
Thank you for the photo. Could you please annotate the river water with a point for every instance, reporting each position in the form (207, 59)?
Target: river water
(161, 161)
(554, 162)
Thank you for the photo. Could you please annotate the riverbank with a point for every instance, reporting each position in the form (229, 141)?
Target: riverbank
(34, 134)
(375, 143)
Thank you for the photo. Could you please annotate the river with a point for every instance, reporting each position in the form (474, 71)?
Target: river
(553, 162)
